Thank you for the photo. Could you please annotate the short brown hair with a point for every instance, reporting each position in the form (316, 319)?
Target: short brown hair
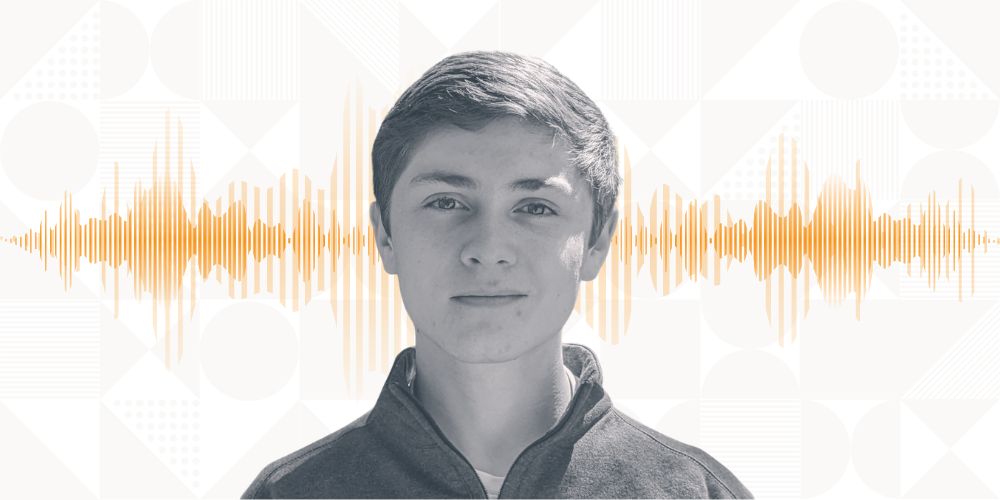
(471, 89)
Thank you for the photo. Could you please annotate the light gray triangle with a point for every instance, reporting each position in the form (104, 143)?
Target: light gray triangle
(418, 47)
(281, 439)
(129, 469)
(967, 29)
(30, 469)
(249, 120)
(188, 368)
(532, 28)
(950, 478)
(120, 350)
(950, 419)
(729, 29)
(967, 370)
(650, 120)
(484, 35)
(730, 128)
(30, 30)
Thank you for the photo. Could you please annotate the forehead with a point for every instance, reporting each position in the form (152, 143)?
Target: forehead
(504, 148)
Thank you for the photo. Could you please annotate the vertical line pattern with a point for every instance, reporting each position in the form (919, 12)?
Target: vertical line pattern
(650, 49)
(251, 50)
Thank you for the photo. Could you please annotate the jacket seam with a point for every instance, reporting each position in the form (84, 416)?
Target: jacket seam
(473, 491)
(529, 465)
(681, 453)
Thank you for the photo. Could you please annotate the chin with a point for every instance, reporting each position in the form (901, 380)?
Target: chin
(492, 346)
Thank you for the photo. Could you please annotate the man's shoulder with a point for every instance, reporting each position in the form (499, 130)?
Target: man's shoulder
(337, 445)
(651, 448)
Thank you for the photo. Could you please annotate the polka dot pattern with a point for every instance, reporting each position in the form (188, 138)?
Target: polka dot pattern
(928, 70)
(746, 181)
(171, 428)
(72, 69)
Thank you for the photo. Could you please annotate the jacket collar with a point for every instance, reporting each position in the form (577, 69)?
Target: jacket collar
(399, 418)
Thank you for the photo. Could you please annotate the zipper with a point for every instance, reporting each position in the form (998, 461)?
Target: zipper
(444, 438)
(553, 430)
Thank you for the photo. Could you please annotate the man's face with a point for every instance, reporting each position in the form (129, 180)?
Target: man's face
(489, 239)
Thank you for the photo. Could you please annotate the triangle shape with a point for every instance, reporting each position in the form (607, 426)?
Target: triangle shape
(667, 175)
(128, 467)
(572, 54)
(10, 224)
(650, 120)
(220, 148)
(880, 289)
(280, 440)
(964, 28)
(950, 478)
(627, 140)
(311, 428)
(369, 30)
(532, 28)
(484, 35)
(278, 150)
(120, 350)
(418, 47)
(730, 128)
(978, 448)
(919, 449)
(774, 58)
(950, 419)
(249, 120)
(188, 369)
(448, 20)
(729, 29)
(39, 31)
(31, 469)
(252, 171)
(680, 149)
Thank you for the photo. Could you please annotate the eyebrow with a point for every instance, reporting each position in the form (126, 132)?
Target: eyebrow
(461, 181)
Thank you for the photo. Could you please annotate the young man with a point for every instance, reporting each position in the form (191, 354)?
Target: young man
(496, 180)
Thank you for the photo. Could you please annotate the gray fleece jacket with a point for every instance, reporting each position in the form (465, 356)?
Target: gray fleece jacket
(594, 451)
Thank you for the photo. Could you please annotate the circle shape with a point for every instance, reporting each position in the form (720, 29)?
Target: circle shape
(49, 148)
(825, 449)
(848, 49)
(249, 352)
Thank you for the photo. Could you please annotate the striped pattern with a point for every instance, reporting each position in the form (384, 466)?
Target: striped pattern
(129, 130)
(759, 441)
(50, 349)
(836, 134)
(369, 29)
(251, 50)
(651, 49)
(945, 286)
(970, 369)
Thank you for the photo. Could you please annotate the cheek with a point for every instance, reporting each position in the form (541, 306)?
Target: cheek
(571, 256)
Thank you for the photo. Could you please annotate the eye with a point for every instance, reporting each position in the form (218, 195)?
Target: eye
(444, 203)
(538, 209)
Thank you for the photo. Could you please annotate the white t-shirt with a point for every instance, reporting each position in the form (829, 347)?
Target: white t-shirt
(493, 483)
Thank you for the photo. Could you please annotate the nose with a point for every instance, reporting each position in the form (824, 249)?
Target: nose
(490, 244)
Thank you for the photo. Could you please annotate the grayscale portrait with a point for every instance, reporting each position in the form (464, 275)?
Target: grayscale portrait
(495, 180)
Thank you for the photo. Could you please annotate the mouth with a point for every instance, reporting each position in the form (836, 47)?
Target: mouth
(488, 300)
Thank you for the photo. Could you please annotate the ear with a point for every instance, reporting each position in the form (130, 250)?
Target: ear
(595, 256)
(382, 240)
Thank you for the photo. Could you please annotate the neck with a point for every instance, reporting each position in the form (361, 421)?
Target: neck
(492, 411)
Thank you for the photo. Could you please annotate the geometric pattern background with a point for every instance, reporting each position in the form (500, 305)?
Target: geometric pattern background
(899, 404)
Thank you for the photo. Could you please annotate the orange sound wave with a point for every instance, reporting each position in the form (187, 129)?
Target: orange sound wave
(162, 237)
(841, 239)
